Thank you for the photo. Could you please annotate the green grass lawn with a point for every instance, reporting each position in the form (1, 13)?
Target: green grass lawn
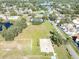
(30, 38)
(31, 34)
(34, 33)
(39, 57)
(62, 53)
(41, 32)
(1, 38)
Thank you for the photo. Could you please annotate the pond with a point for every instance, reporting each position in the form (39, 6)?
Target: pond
(6, 24)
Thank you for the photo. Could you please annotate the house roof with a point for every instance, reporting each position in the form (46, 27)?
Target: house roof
(13, 17)
(76, 21)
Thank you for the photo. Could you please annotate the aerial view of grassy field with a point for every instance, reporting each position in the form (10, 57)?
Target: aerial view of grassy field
(39, 29)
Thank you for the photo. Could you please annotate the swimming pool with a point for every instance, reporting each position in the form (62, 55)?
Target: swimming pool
(6, 24)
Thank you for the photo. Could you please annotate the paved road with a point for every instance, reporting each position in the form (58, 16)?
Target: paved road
(72, 52)
(69, 47)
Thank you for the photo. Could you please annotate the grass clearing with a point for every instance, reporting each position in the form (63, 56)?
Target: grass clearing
(34, 33)
(62, 53)
(39, 57)
(29, 39)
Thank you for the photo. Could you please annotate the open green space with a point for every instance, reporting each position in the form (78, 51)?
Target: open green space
(32, 34)
(62, 53)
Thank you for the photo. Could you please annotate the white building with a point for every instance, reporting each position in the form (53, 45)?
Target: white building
(9, 17)
(13, 18)
(76, 22)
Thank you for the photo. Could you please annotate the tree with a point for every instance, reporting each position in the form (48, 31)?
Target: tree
(1, 19)
(13, 13)
(8, 35)
(21, 23)
(14, 30)
(56, 38)
(65, 19)
(76, 8)
(52, 17)
(45, 17)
